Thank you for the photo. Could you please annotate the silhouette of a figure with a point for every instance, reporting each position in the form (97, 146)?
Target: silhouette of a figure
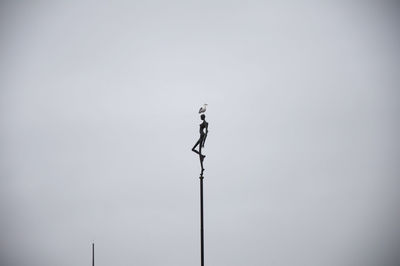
(202, 140)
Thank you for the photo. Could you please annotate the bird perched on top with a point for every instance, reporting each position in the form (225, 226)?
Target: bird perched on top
(203, 109)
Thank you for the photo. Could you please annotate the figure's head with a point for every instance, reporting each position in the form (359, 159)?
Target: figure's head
(203, 116)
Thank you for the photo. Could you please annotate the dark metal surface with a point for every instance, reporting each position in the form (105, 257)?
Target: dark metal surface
(201, 222)
(92, 254)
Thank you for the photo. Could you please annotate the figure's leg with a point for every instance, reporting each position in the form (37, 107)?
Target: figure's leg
(201, 162)
(203, 140)
(194, 147)
(201, 156)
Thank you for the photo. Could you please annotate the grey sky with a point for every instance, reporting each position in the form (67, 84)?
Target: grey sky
(99, 112)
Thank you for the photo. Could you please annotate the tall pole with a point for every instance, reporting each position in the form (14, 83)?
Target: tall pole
(92, 254)
(201, 221)
(200, 144)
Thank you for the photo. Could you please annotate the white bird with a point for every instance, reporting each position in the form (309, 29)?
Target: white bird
(203, 109)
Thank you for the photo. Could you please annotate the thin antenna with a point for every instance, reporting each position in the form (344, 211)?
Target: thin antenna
(92, 254)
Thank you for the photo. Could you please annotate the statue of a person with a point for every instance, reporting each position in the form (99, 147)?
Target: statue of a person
(202, 140)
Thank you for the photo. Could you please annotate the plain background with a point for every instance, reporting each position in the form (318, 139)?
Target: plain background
(98, 115)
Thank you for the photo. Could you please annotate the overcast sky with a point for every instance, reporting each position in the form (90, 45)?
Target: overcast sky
(98, 113)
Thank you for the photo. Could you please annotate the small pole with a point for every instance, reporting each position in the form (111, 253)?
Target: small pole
(92, 254)
(201, 221)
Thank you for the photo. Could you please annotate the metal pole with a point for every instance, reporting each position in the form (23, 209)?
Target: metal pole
(201, 222)
(92, 254)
